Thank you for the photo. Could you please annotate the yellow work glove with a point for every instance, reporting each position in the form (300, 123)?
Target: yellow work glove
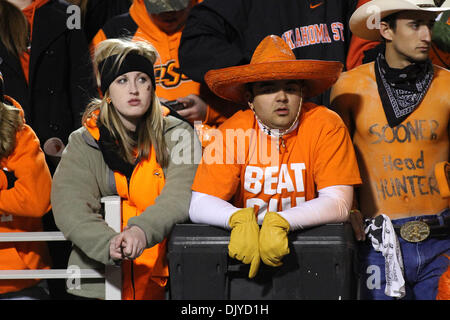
(244, 239)
(273, 240)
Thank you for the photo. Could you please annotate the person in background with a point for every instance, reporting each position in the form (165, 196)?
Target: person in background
(95, 13)
(440, 46)
(397, 110)
(127, 148)
(25, 184)
(161, 23)
(221, 34)
(290, 164)
(49, 72)
(47, 65)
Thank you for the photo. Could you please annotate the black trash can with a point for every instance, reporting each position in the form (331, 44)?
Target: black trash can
(320, 266)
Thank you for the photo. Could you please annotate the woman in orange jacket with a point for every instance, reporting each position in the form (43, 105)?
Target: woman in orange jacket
(126, 147)
(25, 184)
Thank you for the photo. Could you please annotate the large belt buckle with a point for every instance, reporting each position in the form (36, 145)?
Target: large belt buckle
(414, 231)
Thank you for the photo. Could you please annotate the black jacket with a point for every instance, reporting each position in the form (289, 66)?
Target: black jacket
(98, 12)
(221, 33)
(61, 79)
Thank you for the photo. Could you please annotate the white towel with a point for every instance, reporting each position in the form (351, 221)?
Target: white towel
(382, 234)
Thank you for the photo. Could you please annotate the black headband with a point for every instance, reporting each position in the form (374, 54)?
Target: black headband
(131, 62)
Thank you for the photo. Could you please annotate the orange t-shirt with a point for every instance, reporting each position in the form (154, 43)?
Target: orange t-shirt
(277, 173)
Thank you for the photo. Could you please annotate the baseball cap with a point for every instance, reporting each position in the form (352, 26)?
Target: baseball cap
(159, 6)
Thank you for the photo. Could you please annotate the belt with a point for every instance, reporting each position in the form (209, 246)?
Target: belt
(419, 230)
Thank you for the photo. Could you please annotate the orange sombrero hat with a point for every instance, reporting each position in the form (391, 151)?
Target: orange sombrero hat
(273, 60)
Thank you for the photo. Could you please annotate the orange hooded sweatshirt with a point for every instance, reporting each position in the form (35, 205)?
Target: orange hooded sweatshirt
(171, 83)
(23, 205)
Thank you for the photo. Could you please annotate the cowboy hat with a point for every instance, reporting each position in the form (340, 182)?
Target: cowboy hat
(273, 60)
(364, 22)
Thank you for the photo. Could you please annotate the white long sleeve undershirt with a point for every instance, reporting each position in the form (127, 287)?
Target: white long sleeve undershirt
(331, 206)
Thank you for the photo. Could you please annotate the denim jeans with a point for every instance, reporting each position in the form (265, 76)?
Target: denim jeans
(424, 263)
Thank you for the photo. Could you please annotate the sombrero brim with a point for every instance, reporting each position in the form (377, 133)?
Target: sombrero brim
(229, 83)
(364, 19)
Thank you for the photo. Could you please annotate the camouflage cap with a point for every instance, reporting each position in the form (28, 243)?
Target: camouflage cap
(160, 6)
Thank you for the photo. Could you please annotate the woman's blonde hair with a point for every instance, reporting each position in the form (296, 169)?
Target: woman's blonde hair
(10, 122)
(150, 131)
(13, 28)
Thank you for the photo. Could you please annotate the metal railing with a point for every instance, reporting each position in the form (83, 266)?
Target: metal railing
(112, 274)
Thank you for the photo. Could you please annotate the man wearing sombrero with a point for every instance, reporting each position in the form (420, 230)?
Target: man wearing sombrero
(306, 179)
(397, 110)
